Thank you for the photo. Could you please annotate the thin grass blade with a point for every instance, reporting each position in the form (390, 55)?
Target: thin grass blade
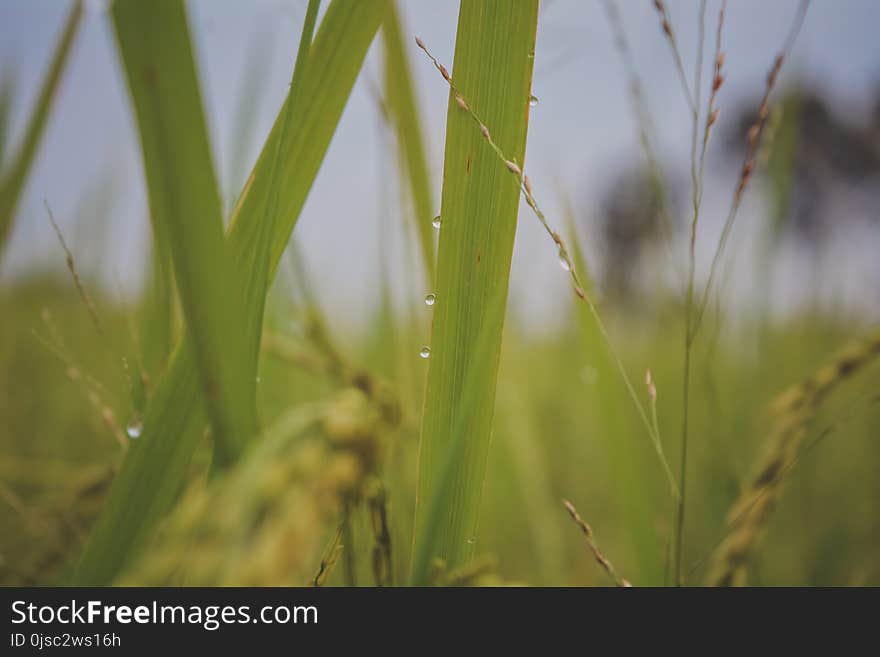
(15, 175)
(404, 112)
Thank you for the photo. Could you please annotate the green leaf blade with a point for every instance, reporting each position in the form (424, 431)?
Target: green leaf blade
(494, 57)
(154, 470)
(404, 111)
(185, 207)
(14, 178)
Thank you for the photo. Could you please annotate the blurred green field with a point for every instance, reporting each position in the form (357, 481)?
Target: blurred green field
(559, 428)
(221, 426)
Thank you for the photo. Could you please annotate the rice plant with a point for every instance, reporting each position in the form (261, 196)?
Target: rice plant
(224, 424)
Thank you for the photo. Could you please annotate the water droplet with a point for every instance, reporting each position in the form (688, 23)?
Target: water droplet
(134, 428)
(533, 100)
(436, 222)
(425, 352)
(563, 262)
(430, 299)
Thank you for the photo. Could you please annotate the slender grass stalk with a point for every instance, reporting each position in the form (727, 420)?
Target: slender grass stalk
(16, 173)
(494, 57)
(696, 197)
(156, 465)
(754, 142)
(128, 359)
(695, 307)
(692, 98)
(94, 392)
(712, 110)
(600, 557)
(74, 274)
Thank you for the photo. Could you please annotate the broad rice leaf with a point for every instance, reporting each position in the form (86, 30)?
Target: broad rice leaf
(155, 467)
(185, 207)
(494, 57)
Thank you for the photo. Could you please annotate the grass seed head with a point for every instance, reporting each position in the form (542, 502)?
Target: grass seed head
(713, 117)
(652, 389)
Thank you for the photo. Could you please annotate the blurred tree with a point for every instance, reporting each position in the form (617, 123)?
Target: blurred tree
(812, 150)
(635, 221)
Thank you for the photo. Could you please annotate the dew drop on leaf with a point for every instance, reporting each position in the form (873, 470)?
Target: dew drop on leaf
(134, 428)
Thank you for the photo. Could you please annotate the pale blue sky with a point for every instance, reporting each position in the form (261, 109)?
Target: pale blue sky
(581, 132)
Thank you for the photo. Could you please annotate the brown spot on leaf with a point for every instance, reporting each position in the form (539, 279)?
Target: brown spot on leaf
(151, 76)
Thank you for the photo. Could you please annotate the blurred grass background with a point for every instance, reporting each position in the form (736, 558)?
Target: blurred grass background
(550, 441)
